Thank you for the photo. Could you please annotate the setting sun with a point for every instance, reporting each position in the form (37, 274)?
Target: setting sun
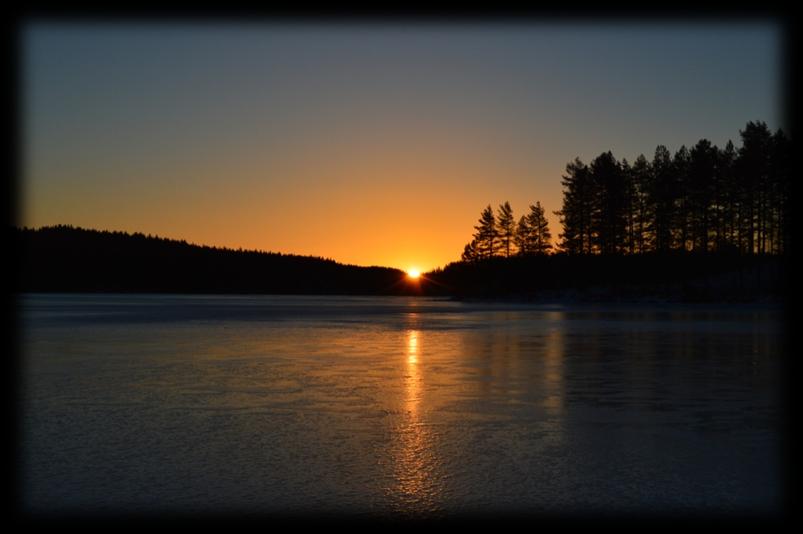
(413, 273)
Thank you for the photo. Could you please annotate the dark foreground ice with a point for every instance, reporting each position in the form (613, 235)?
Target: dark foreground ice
(395, 406)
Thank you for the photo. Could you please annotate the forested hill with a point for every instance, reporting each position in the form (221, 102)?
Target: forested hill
(68, 259)
(669, 277)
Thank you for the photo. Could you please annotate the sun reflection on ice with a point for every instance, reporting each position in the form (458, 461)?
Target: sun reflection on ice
(415, 461)
(412, 346)
(553, 372)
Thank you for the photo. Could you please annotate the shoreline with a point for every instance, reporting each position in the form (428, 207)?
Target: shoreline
(553, 301)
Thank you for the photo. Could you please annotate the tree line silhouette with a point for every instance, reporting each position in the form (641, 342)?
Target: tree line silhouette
(63, 258)
(703, 224)
(703, 199)
(501, 235)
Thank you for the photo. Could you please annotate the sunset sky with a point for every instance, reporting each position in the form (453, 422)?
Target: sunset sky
(372, 144)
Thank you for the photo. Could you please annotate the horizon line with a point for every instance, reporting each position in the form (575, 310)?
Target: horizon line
(219, 247)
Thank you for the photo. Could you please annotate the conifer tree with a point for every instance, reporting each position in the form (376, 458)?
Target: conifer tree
(541, 239)
(578, 209)
(470, 252)
(641, 178)
(681, 216)
(486, 233)
(662, 199)
(522, 236)
(609, 218)
(780, 169)
(506, 227)
(726, 198)
(702, 167)
(753, 169)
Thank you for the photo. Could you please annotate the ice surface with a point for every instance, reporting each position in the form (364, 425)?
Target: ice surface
(394, 405)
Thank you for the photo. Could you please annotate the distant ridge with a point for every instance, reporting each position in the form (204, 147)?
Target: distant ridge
(64, 258)
(68, 259)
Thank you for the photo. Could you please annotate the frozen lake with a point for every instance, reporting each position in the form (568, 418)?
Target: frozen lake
(395, 406)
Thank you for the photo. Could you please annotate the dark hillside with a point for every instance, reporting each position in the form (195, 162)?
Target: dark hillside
(67, 259)
(674, 277)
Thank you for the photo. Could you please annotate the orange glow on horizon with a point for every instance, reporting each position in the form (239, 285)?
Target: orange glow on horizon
(339, 209)
(328, 203)
(346, 144)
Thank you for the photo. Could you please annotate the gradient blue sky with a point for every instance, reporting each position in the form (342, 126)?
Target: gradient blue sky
(369, 144)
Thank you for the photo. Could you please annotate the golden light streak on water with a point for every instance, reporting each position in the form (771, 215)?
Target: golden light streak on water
(553, 361)
(415, 484)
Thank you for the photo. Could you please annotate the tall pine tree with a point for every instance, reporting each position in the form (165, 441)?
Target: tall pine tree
(506, 227)
(486, 233)
(532, 233)
(578, 209)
